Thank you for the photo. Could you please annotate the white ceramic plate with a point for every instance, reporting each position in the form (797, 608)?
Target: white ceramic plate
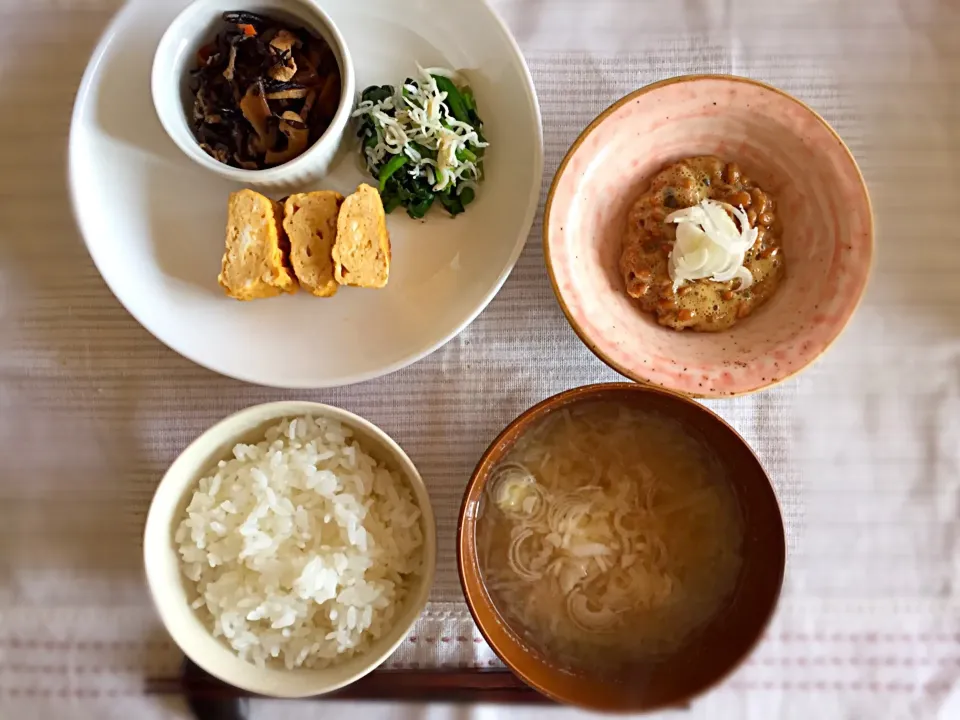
(154, 222)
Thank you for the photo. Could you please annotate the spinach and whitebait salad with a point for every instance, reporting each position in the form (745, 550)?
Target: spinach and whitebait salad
(423, 141)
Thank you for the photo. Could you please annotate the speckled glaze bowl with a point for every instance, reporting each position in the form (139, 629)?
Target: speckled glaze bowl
(716, 650)
(777, 140)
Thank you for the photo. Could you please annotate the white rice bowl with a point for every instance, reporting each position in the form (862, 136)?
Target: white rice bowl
(301, 548)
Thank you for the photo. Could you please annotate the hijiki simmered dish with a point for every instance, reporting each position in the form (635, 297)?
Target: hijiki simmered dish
(701, 248)
(608, 535)
(265, 91)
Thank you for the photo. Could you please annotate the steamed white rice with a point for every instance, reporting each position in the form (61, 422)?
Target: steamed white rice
(302, 546)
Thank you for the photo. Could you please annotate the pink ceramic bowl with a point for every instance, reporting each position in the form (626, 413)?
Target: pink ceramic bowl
(777, 140)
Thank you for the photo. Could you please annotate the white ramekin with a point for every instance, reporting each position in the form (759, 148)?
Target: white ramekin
(197, 25)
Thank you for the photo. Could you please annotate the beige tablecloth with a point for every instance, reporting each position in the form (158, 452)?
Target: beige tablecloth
(864, 448)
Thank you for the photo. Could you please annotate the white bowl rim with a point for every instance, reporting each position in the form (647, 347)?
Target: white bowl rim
(159, 75)
(156, 532)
